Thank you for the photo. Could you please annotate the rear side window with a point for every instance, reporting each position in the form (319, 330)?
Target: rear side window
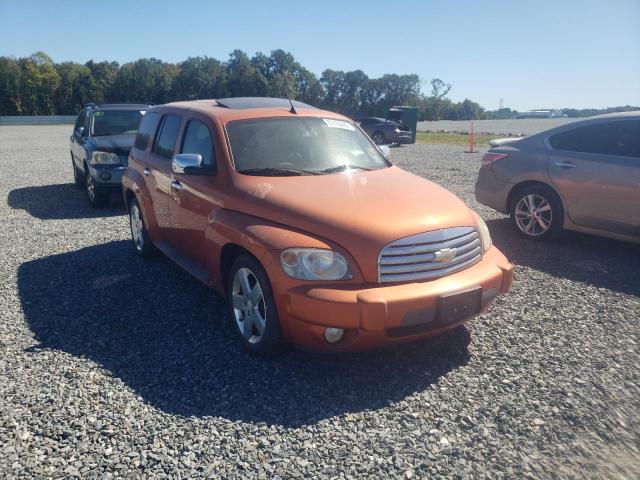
(197, 139)
(167, 136)
(145, 129)
(620, 139)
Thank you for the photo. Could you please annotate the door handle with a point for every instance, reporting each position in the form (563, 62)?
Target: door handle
(175, 185)
(146, 171)
(563, 164)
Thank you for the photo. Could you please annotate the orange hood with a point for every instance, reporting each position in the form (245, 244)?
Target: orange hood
(361, 211)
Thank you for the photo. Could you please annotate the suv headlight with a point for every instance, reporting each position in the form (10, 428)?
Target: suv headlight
(315, 264)
(485, 236)
(105, 158)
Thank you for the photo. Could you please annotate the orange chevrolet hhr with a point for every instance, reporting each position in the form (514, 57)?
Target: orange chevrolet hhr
(301, 222)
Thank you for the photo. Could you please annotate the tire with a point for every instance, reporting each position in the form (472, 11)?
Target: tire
(97, 197)
(547, 212)
(139, 235)
(263, 335)
(77, 177)
(378, 138)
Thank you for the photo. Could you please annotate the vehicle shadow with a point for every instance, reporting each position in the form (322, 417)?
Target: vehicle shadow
(166, 336)
(601, 262)
(62, 201)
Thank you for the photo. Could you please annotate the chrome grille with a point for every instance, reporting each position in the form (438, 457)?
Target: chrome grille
(425, 255)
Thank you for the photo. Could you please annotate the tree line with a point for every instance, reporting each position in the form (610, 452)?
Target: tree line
(36, 85)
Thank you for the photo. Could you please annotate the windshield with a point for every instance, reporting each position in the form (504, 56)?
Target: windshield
(300, 145)
(115, 122)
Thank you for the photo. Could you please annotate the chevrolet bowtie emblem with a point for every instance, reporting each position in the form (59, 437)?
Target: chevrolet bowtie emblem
(444, 254)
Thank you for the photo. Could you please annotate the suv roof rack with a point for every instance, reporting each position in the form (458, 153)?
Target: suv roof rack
(241, 103)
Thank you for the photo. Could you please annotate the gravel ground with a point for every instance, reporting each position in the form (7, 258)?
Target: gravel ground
(527, 126)
(111, 365)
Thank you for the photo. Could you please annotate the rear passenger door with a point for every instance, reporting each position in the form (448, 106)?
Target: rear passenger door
(596, 169)
(158, 172)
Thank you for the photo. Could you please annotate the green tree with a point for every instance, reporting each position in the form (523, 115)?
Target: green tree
(39, 82)
(10, 102)
(70, 95)
(199, 77)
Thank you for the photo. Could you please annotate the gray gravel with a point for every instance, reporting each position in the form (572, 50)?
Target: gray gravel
(526, 126)
(110, 365)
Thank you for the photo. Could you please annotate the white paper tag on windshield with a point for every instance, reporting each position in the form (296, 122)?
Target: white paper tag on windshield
(333, 123)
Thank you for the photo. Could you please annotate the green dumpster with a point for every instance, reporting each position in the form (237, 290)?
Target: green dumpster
(408, 117)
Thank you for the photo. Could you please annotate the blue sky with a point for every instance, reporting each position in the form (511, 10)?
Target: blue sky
(562, 53)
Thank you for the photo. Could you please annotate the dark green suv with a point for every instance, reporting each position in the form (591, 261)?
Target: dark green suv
(100, 144)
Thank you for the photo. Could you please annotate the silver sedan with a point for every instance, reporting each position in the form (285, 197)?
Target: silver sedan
(584, 176)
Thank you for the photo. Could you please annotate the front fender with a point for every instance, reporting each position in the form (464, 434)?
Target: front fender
(262, 238)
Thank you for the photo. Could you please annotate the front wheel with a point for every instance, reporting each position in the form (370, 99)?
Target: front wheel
(97, 198)
(252, 307)
(537, 213)
(378, 138)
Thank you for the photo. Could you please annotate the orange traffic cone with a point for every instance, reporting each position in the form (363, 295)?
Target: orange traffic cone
(472, 143)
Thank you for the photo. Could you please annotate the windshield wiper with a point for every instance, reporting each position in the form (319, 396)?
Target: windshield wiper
(273, 172)
(340, 168)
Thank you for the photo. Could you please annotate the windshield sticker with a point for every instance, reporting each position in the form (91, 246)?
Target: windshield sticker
(99, 114)
(338, 124)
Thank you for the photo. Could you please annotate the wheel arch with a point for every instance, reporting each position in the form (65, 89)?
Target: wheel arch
(532, 183)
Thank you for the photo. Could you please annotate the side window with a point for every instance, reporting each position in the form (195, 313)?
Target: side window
(167, 136)
(197, 139)
(85, 122)
(145, 129)
(80, 119)
(620, 139)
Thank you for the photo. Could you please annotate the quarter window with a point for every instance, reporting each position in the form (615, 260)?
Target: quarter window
(197, 139)
(145, 129)
(167, 136)
(620, 138)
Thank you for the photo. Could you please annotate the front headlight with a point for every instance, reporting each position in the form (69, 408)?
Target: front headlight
(485, 236)
(104, 158)
(315, 264)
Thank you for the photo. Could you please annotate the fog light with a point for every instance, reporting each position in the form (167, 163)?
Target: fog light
(105, 175)
(333, 335)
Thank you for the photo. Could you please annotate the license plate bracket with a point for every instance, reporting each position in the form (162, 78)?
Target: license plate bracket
(458, 306)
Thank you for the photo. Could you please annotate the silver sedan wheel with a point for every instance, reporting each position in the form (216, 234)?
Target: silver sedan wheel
(533, 215)
(137, 227)
(378, 138)
(249, 307)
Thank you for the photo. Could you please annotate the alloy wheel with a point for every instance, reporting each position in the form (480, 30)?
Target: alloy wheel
(249, 307)
(91, 188)
(378, 138)
(533, 215)
(137, 227)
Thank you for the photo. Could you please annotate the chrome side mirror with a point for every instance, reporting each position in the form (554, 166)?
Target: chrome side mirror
(186, 162)
(385, 151)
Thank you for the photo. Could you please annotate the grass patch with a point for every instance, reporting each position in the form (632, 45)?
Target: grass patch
(482, 140)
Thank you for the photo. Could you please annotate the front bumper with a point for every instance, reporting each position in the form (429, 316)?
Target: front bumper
(404, 138)
(374, 315)
(107, 176)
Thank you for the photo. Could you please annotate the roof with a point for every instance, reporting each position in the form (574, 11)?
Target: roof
(134, 106)
(259, 102)
(249, 107)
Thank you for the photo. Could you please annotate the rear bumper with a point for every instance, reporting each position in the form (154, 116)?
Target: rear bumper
(491, 191)
(376, 315)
